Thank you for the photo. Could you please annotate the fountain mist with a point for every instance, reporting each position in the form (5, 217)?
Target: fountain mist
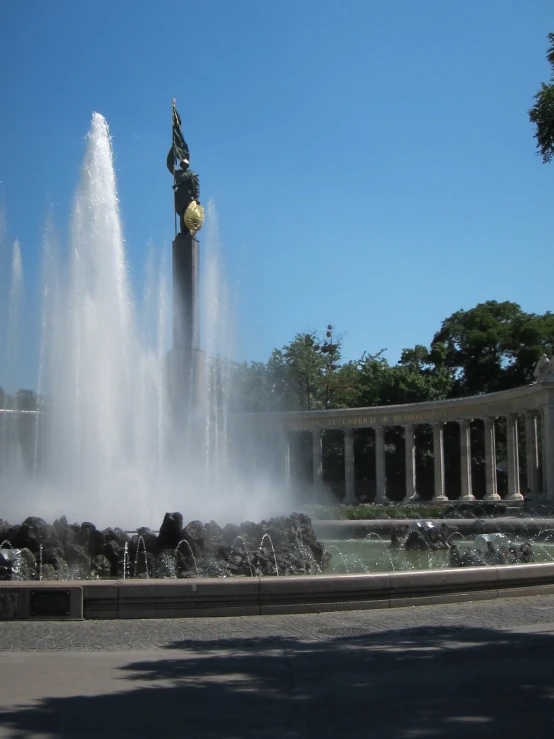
(106, 447)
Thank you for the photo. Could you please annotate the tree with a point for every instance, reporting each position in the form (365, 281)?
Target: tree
(493, 346)
(26, 400)
(542, 112)
(305, 365)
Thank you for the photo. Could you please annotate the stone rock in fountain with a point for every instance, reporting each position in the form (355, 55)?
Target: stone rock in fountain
(33, 533)
(90, 539)
(100, 566)
(491, 549)
(420, 535)
(286, 545)
(17, 564)
(170, 531)
(113, 549)
(194, 534)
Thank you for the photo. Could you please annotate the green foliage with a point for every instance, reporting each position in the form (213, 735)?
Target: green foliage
(492, 347)
(542, 112)
(415, 379)
(23, 400)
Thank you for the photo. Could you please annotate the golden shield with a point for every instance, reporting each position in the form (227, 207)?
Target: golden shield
(194, 217)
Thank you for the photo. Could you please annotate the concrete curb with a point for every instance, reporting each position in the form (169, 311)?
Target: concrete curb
(126, 599)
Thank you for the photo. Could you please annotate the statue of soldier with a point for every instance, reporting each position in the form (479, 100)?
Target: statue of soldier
(185, 182)
(186, 186)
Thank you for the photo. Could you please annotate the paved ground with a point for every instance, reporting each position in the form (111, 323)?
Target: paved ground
(468, 670)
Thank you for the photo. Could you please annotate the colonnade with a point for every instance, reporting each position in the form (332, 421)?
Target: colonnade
(531, 406)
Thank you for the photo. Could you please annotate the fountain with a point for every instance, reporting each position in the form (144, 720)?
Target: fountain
(111, 443)
(129, 428)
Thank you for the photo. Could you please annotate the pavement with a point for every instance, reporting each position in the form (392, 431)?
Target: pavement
(482, 669)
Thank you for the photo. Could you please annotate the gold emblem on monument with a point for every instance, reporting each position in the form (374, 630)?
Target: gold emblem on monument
(194, 217)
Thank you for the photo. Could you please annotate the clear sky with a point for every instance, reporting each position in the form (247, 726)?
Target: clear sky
(372, 162)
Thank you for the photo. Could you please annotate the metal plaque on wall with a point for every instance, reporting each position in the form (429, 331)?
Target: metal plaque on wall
(50, 603)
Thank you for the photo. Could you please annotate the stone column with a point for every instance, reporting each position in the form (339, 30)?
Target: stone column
(513, 458)
(490, 460)
(532, 451)
(380, 466)
(349, 479)
(410, 462)
(465, 460)
(317, 463)
(548, 450)
(438, 461)
(287, 458)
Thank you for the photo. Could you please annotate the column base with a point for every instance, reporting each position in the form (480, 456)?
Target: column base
(493, 497)
(467, 498)
(383, 499)
(513, 496)
(439, 499)
(350, 501)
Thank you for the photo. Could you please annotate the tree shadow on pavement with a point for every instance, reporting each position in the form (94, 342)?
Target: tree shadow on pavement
(420, 682)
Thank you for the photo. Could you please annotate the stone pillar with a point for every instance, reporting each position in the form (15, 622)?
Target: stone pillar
(380, 466)
(287, 458)
(548, 450)
(532, 451)
(317, 463)
(349, 477)
(438, 461)
(490, 460)
(410, 462)
(513, 458)
(465, 460)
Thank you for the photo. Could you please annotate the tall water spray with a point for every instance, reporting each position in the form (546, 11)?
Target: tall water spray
(106, 447)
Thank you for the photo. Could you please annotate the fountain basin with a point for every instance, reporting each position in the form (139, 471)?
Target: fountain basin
(344, 529)
(121, 599)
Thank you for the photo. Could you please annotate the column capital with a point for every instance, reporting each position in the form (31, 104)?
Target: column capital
(409, 427)
(349, 432)
(463, 422)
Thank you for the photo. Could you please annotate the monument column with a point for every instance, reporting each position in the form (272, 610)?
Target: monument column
(532, 451)
(490, 460)
(380, 466)
(465, 460)
(349, 472)
(513, 458)
(186, 332)
(438, 461)
(410, 462)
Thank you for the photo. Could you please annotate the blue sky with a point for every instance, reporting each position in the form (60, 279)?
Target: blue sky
(372, 163)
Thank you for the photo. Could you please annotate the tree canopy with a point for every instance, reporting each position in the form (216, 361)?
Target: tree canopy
(542, 112)
(493, 346)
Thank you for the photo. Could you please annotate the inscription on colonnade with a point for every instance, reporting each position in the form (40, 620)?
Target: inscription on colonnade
(399, 419)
